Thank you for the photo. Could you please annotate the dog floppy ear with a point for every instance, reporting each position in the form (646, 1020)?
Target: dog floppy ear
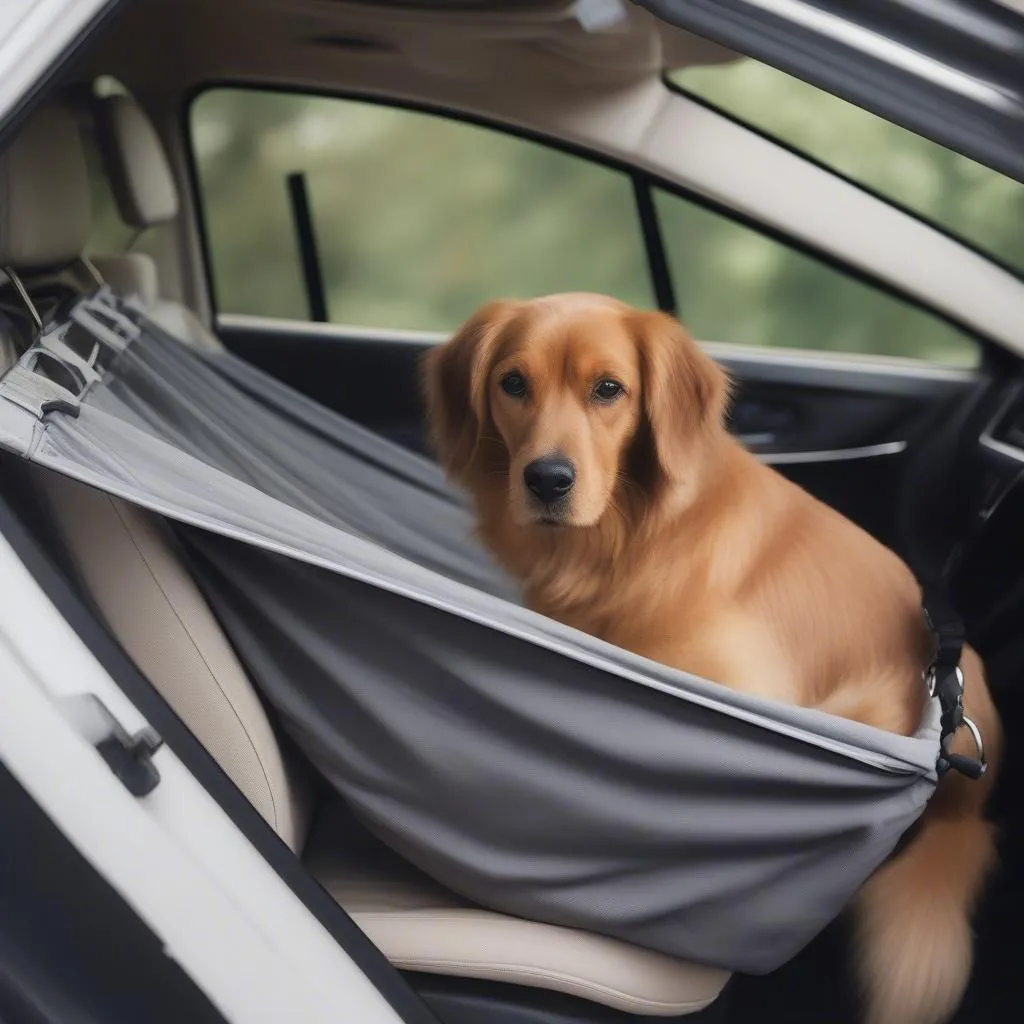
(454, 377)
(684, 391)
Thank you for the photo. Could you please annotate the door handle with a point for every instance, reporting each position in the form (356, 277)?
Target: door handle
(755, 440)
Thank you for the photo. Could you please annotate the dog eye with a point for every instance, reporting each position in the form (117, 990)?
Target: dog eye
(513, 384)
(607, 390)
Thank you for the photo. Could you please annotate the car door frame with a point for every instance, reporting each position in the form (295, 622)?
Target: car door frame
(956, 81)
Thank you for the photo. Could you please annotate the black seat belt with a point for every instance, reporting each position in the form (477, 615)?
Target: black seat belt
(944, 677)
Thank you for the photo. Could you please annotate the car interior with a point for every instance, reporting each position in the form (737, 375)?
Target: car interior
(907, 448)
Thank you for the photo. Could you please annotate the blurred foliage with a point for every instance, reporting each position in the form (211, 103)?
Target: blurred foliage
(970, 200)
(733, 284)
(418, 219)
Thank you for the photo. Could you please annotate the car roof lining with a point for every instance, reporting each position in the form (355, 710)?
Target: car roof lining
(508, 45)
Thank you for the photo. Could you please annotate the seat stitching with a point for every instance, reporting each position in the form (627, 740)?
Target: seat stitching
(202, 657)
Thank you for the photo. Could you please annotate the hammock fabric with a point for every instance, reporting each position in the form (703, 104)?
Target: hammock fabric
(530, 767)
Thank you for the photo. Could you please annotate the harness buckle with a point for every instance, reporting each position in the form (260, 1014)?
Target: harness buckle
(946, 682)
(971, 767)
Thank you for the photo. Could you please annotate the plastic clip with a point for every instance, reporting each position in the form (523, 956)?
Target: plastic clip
(55, 341)
(947, 684)
(97, 315)
(41, 382)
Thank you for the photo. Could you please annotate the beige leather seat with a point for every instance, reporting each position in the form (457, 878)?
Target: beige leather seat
(127, 560)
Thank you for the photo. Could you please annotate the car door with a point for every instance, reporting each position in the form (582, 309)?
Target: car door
(400, 222)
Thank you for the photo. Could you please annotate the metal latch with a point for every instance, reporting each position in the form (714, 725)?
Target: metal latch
(128, 756)
(41, 382)
(54, 340)
(98, 314)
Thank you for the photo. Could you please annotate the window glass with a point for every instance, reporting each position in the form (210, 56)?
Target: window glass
(734, 284)
(962, 196)
(417, 219)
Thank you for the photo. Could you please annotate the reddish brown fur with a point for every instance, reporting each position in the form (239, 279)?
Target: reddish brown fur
(682, 547)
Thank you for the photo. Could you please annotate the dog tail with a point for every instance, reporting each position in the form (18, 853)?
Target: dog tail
(913, 917)
(914, 940)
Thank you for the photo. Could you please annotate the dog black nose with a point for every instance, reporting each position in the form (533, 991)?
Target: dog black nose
(550, 478)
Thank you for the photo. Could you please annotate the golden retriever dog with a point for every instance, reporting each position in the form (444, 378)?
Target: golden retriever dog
(590, 437)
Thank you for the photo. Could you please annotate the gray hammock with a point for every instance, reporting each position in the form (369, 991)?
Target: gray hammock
(530, 767)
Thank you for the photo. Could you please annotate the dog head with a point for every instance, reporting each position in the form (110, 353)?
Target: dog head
(570, 402)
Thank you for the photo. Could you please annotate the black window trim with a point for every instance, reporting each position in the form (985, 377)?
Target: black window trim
(309, 251)
(654, 245)
(989, 348)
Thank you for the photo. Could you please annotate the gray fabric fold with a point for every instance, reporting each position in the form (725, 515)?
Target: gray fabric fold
(528, 766)
(299, 452)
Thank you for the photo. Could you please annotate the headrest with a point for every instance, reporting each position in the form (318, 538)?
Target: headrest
(45, 213)
(136, 163)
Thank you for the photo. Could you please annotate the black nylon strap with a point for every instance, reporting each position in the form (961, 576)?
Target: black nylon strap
(944, 676)
(946, 625)
(945, 680)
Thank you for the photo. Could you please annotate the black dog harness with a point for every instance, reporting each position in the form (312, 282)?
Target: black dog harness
(945, 680)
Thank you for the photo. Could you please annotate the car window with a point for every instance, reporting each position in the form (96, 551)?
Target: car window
(966, 198)
(417, 218)
(734, 284)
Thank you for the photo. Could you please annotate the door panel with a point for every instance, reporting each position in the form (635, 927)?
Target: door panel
(372, 379)
(841, 428)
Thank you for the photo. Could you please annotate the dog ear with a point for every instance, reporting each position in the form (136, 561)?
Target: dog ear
(685, 392)
(454, 379)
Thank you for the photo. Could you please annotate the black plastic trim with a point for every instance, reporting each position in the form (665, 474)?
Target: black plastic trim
(312, 272)
(657, 260)
(985, 342)
(392, 986)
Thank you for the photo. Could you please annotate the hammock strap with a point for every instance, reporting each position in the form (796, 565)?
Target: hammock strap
(944, 676)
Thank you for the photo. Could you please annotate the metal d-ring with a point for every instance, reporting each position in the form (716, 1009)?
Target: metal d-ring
(978, 742)
(973, 768)
(931, 679)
